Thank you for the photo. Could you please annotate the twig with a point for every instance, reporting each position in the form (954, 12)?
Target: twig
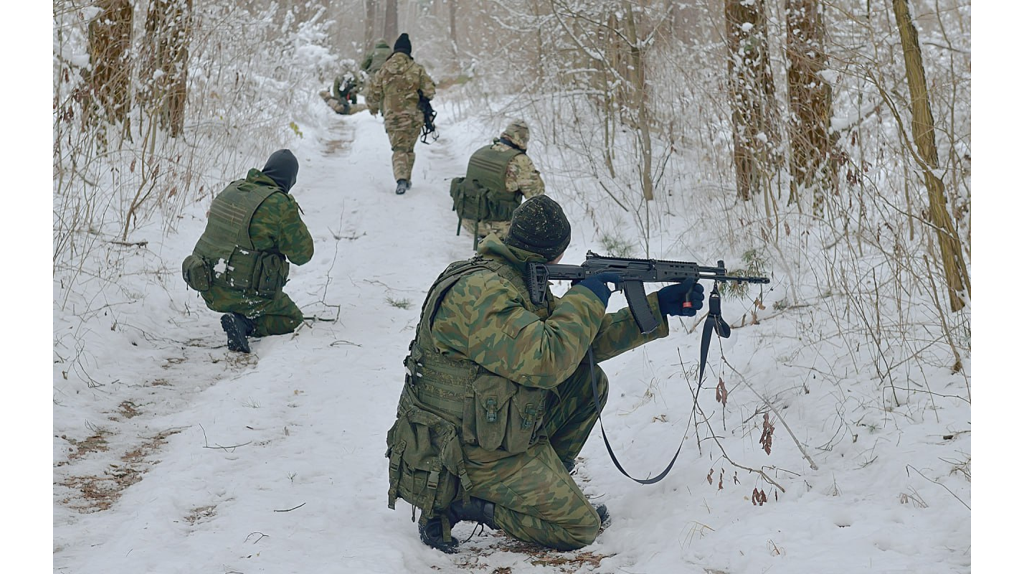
(291, 509)
(142, 243)
(262, 536)
(940, 484)
(207, 445)
(778, 416)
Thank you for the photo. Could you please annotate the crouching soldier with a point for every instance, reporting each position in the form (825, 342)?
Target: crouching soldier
(240, 263)
(497, 401)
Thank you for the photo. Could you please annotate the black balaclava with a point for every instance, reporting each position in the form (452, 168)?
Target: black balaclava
(282, 167)
(403, 45)
(539, 226)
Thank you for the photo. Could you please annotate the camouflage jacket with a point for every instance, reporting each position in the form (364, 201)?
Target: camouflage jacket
(521, 175)
(394, 89)
(376, 58)
(277, 226)
(488, 320)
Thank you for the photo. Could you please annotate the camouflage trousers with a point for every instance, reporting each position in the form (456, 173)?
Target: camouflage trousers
(403, 131)
(273, 316)
(535, 499)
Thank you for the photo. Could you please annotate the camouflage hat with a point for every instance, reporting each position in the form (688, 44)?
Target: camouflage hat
(539, 226)
(518, 133)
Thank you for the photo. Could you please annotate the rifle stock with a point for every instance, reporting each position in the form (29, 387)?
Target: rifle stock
(634, 273)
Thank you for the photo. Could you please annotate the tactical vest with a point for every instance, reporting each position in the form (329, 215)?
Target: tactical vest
(227, 248)
(481, 195)
(447, 403)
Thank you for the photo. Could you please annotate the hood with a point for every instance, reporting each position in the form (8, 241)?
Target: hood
(494, 248)
(283, 168)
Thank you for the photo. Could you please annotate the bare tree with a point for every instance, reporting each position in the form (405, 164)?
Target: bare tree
(810, 100)
(370, 28)
(922, 127)
(110, 45)
(391, 21)
(164, 72)
(752, 95)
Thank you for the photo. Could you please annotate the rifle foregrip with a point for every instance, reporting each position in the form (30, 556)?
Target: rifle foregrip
(637, 300)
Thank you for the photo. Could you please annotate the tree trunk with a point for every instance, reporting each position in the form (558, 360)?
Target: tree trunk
(638, 77)
(810, 100)
(391, 21)
(453, 10)
(752, 94)
(923, 129)
(110, 44)
(370, 27)
(164, 74)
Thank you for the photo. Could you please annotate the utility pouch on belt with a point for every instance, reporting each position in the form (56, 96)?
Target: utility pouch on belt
(502, 414)
(426, 462)
(475, 202)
(196, 273)
(269, 273)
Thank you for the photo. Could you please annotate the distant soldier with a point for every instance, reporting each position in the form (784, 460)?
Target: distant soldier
(375, 58)
(240, 263)
(499, 177)
(395, 91)
(343, 95)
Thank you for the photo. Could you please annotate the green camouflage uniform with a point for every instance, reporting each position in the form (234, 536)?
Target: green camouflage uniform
(376, 58)
(394, 91)
(275, 229)
(521, 177)
(512, 380)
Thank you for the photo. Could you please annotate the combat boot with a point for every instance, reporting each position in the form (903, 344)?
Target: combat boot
(476, 510)
(603, 514)
(238, 329)
(432, 534)
(403, 186)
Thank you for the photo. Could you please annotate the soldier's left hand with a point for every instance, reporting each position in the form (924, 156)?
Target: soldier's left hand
(672, 298)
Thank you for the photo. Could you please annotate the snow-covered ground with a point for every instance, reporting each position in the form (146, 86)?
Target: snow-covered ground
(171, 454)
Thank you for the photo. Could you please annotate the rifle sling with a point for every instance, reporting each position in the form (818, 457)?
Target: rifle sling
(713, 322)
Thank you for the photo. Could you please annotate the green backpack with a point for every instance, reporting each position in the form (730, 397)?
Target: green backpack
(481, 195)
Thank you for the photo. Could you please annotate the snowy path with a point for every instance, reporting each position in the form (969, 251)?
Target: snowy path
(173, 455)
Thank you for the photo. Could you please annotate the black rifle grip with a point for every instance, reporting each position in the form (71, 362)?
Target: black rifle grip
(637, 300)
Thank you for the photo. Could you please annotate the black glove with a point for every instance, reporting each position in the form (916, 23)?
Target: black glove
(671, 298)
(596, 283)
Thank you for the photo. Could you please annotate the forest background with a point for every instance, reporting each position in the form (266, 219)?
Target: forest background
(654, 80)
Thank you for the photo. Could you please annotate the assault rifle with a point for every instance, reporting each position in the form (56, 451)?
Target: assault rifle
(634, 273)
(428, 118)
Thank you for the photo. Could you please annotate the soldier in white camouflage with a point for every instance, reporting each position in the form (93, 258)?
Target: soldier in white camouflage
(497, 401)
(506, 157)
(395, 92)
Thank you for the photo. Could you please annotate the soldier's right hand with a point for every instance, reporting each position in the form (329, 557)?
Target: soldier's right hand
(598, 284)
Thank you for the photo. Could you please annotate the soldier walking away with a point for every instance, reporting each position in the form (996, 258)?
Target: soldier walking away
(240, 263)
(375, 58)
(498, 399)
(499, 177)
(395, 92)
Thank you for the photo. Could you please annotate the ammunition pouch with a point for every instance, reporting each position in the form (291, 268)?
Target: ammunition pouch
(474, 202)
(503, 415)
(260, 271)
(426, 465)
(196, 273)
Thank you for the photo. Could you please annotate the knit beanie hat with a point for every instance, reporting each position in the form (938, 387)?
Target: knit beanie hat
(402, 44)
(539, 226)
(282, 167)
